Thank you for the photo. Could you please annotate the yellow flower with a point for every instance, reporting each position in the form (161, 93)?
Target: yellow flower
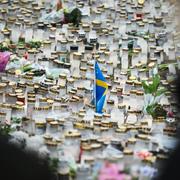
(18, 72)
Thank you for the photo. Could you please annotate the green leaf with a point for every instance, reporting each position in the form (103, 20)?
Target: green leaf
(160, 91)
(151, 109)
(156, 82)
(151, 88)
(145, 87)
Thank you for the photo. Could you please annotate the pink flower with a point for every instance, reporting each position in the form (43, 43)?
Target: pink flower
(4, 58)
(111, 172)
(170, 114)
(144, 154)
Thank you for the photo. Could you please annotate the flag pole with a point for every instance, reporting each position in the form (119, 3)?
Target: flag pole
(95, 84)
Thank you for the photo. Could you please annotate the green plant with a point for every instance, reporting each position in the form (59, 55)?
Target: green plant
(153, 94)
(72, 173)
(5, 129)
(73, 17)
(3, 47)
(16, 120)
(153, 87)
(156, 110)
(53, 163)
(34, 44)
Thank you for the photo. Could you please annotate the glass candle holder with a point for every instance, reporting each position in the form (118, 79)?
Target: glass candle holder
(70, 84)
(135, 57)
(131, 143)
(16, 32)
(62, 79)
(53, 128)
(18, 111)
(141, 144)
(31, 54)
(52, 146)
(146, 25)
(128, 86)
(131, 117)
(120, 133)
(72, 145)
(109, 106)
(171, 53)
(11, 98)
(28, 33)
(52, 38)
(133, 25)
(83, 170)
(152, 50)
(39, 32)
(21, 51)
(124, 59)
(128, 157)
(61, 45)
(133, 99)
(75, 64)
(83, 71)
(62, 90)
(47, 49)
(2, 117)
(124, 43)
(140, 100)
(128, 27)
(151, 27)
(40, 128)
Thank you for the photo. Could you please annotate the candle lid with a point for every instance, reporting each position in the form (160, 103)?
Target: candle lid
(151, 64)
(47, 42)
(121, 129)
(54, 123)
(132, 140)
(51, 143)
(143, 136)
(72, 133)
(139, 93)
(127, 152)
(95, 145)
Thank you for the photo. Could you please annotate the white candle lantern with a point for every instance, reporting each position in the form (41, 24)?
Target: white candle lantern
(135, 56)
(83, 71)
(124, 42)
(62, 90)
(28, 33)
(75, 64)
(80, 45)
(152, 50)
(21, 50)
(61, 45)
(16, 31)
(47, 49)
(121, 114)
(171, 53)
(31, 55)
(133, 100)
(151, 27)
(70, 84)
(124, 59)
(128, 27)
(62, 79)
(133, 25)
(110, 68)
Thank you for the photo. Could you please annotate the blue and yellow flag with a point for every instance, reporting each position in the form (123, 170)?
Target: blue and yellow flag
(101, 88)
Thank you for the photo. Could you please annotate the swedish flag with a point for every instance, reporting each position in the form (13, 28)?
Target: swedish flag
(101, 88)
